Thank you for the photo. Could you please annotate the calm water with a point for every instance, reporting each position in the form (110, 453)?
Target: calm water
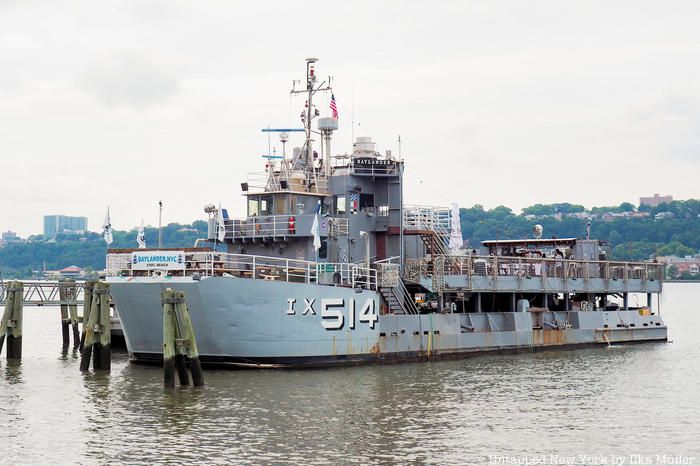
(627, 400)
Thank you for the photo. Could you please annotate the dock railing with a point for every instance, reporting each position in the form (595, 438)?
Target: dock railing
(212, 263)
(46, 292)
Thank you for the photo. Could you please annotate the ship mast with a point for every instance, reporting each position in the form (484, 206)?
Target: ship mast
(309, 114)
(310, 80)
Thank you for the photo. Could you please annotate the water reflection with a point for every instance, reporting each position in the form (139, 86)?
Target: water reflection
(69, 353)
(13, 371)
(637, 399)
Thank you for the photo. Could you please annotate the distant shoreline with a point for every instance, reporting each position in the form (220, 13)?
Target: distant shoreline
(682, 281)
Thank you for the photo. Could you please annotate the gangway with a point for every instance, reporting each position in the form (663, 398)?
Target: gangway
(46, 293)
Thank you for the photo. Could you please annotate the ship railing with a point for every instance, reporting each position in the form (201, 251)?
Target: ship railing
(212, 263)
(374, 170)
(295, 181)
(370, 170)
(415, 268)
(431, 218)
(259, 181)
(389, 260)
(267, 226)
(363, 277)
(499, 266)
(260, 227)
(388, 273)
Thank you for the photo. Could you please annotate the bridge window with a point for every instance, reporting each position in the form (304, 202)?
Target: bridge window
(259, 205)
(383, 210)
(265, 205)
(253, 207)
(366, 201)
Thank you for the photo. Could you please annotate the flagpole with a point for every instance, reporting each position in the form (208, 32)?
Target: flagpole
(160, 224)
(216, 229)
(141, 237)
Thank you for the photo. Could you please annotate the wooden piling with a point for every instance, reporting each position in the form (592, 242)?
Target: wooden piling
(183, 313)
(180, 365)
(179, 341)
(11, 323)
(168, 339)
(7, 314)
(73, 313)
(14, 337)
(65, 320)
(89, 330)
(105, 352)
(87, 305)
(97, 343)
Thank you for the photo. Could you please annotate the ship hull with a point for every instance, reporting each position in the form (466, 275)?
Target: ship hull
(280, 324)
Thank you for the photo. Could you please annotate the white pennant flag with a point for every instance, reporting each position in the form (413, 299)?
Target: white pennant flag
(141, 237)
(316, 233)
(315, 230)
(220, 226)
(456, 241)
(107, 229)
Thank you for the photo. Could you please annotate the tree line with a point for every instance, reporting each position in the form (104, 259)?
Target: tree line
(88, 251)
(629, 238)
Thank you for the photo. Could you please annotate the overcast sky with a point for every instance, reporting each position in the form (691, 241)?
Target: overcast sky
(122, 103)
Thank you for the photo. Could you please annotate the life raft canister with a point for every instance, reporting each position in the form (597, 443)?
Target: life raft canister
(292, 225)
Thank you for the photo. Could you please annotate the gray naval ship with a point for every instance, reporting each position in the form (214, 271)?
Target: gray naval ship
(331, 267)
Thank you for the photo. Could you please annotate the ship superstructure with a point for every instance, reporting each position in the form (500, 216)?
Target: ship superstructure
(330, 266)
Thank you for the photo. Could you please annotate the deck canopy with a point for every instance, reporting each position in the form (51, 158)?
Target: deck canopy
(530, 247)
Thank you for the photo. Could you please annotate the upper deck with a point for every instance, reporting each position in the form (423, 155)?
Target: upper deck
(443, 273)
(534, 275)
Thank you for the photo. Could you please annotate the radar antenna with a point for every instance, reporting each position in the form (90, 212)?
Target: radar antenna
(537, 231)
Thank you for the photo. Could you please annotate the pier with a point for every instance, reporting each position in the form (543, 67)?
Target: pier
(67, 294)
(46, 293)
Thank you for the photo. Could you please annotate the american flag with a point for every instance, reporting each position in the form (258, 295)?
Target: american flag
(334, 108)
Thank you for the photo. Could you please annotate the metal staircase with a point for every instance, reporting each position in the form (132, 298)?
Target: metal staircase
(392, 301)
(435, 244)
(393, 290)
(398, 299)
(432, 224)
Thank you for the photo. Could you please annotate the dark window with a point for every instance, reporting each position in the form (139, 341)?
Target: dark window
(323, 250)
(366, 200)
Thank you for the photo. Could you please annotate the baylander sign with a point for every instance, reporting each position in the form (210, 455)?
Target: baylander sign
(158, 260)
(373, 165)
